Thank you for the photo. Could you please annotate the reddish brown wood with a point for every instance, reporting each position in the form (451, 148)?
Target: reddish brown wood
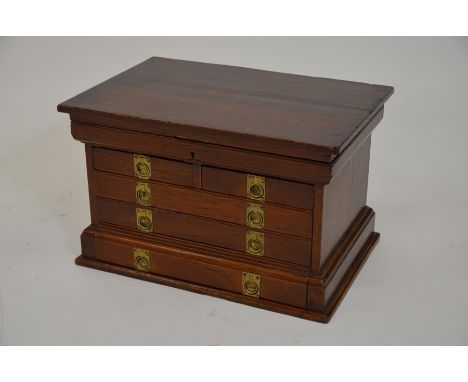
(197, 175)
(341, 160)
(320, 315)
(343, 199)
(91, 182)
(278, 191)
(235, 159)
(334, 270)
(317, 223)
(88, 243)
(205, 128)
(205, 204)
(231, 236)
(121, 162)
(222, 277)
(207, 290)
(201, 251)
(343, 261)
(231, 106)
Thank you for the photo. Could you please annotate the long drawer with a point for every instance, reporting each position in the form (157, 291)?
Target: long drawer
(262, 216)
(206, 231)
(253, 281)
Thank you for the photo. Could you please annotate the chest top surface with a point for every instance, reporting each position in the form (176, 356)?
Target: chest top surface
(232, 106)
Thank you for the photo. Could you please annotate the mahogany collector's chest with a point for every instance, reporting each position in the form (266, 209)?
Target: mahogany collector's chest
(238, 183)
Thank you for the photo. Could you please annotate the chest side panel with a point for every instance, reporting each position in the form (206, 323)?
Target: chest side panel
(343, 199)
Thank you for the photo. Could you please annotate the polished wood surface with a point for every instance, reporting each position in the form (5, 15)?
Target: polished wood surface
(344, 198)
(219, 156)
(163, 170)
(194, 228)
(210, 205)
(265, 111)
(91, 235)
(278, 191)
(205, 128)
(221, 275)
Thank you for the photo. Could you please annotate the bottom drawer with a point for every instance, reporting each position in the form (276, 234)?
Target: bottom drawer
(254, 281)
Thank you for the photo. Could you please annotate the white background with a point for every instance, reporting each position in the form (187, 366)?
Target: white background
(411, 291)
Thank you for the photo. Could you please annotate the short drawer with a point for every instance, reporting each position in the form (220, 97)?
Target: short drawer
(253, 281)
(143, 167)
(264, 217)
(270, 190)
(206, 231)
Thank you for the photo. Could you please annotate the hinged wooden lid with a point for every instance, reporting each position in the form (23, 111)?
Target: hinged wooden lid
(277, 113)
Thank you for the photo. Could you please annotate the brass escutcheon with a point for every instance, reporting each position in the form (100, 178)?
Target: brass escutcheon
(254, 243)
(255, 187)
(143, 193)
(255, 215)
(144, 220)
(142, 166)
(141, 260)
(251, 284)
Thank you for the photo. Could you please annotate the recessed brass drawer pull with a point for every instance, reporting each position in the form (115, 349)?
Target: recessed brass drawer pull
(255, 215)
(255, 187)
(254, 243)
(142, 166)
(143, 193)
(141, 260)
(250, 284)
(144, 220)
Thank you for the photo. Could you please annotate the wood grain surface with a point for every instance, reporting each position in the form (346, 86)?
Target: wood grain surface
(247, 108)
(194, 228)
(278, 191)
(210, 205)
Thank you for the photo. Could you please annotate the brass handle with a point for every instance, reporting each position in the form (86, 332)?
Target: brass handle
(141, 259)
(144, 219)
(255, 246)
(256, 187)
(251, 284)
(256, 191)
(143, 193)
(255, 219)
(143, 197)
(250, 287)
(143, 169)
(254, 243)
(145, 222)
(142, 166)
(141, 263)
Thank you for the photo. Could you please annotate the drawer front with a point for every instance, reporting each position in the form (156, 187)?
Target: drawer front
(270, 190)
(144, 167)
(188, 227)
(256, 282)
(206, 204)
